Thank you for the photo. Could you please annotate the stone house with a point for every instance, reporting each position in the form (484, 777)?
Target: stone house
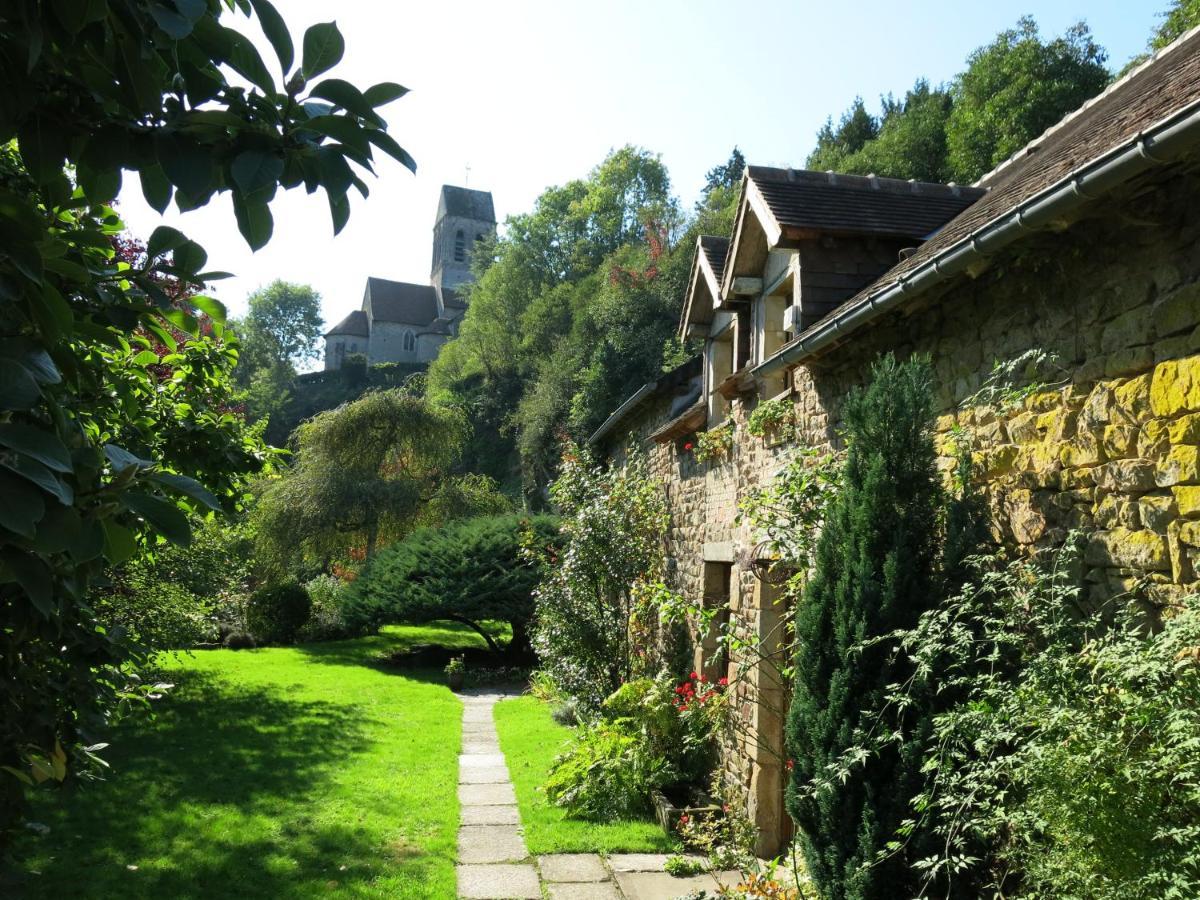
(408, 323)
(1085, 244)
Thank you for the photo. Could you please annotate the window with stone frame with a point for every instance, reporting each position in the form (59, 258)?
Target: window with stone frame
(409, 342)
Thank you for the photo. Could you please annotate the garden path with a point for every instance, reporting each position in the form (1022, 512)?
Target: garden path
(493, 861)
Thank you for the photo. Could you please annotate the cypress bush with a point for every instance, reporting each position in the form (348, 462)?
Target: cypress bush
(879, 564)
(469, 570)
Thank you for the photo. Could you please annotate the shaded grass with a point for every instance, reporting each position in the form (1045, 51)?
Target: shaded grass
(280, 772)
(531, 739)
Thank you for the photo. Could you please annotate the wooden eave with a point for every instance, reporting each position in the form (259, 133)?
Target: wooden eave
(752, 204)
(686, 422)
(740, 382)
(697, 308)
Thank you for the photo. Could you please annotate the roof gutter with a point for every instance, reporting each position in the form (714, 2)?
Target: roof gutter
(1161, 144)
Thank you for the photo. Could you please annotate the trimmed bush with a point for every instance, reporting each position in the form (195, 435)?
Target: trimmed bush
(276, 613)
(468, 571)
(239, 640)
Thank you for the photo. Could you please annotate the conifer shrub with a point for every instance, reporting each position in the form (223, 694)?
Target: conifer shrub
(470, 571)
(879, 563)
(276, 613)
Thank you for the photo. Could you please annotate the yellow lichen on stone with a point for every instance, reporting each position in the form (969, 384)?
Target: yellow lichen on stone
(1154, 438)
(1133, 398)
(1044, 401)
(1000, 460)
(1187, 498)
(1181, 466)
(1189, 533)
(1186, 430)
(1175, 387)
(1119, 440)
(1085, 450)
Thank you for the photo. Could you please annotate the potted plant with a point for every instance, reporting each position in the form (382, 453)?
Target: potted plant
(456, 672)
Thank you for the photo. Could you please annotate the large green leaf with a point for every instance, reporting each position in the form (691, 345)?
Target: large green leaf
(345, 95)
(37, 443)
(255, 171)
(18, 389)
(383, 93)
(341, 128)
(388, 145)
(212, 308)
(254, 221)
(119, 542)
(33, 577)
(176, 26)
(187, 164)
(164, 239)
(41, 476)
(276, 31)
(323, 48)
(189, 487)
(164, 517)
(156, 187)
(189, 258)
(23, 505)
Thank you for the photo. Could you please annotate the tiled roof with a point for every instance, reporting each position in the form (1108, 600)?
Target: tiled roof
(398, 301)
(1152, 93)
(858, 204)
(715, 250)
(355, 324)
(467, 203)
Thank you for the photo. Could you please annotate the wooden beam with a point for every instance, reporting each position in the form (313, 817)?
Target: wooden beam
(746, 284)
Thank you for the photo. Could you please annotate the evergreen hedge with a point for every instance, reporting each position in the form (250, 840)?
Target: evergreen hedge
(880, 563)
(470, 570)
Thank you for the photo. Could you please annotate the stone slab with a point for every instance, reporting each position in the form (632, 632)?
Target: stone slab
(564, 867)
(479, 729)
(583, 891)
(498, 882)
(661, 886)
(481, 760)
(486, 795)
(489, 815)
(638, 862)
(490, 844)
(484, 775)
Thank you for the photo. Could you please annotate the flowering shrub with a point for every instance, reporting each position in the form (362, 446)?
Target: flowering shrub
(613, 524)
(773, 417)
(715, 444)
(649, 734)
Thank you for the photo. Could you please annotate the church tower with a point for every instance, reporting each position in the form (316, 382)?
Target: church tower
(464, 216)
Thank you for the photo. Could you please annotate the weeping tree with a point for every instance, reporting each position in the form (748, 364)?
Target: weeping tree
(468, 571)
(363, 474)
(890, 549)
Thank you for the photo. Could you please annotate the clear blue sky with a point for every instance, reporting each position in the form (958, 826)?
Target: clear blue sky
(529, 94)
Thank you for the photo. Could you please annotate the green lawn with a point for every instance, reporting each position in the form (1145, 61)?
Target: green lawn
(531, 739)
(288, 772)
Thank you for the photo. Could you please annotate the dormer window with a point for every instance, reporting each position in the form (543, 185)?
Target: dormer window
(460, 246)
(409, 341)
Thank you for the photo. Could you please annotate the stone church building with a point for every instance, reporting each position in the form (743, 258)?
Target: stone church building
(408, 323)
(1084, 245)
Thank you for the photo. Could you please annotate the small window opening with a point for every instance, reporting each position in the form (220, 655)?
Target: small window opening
(460, 246)
(410, 342)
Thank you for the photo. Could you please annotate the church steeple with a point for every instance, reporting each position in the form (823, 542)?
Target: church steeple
(463, 217)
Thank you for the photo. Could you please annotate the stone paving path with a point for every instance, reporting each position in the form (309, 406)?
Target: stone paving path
(493, 861)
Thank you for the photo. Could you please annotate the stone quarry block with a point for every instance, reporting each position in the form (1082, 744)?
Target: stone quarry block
(1188, 499)
(498, 882)
(1186, 429)
(572, 867)
(1126, 476)
(1131, 400)
(490, 844)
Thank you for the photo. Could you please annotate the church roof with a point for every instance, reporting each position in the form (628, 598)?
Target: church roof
(355, 324)
(466, 203)
(399, 301)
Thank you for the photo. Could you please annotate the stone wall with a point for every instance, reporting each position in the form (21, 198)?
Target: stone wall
(1111, 445)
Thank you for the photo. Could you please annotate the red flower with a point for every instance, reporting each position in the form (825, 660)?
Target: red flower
(724, 682)
(687, 446)
(791, 764)
(684, 819)
(692, 676)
